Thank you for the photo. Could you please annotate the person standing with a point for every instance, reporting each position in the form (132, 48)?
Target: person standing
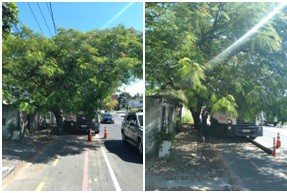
(275, 121)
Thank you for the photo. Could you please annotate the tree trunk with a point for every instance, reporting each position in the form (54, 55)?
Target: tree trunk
(23, 122)
(37, 120)
(196, 119)
(59, 120)
(197, 124)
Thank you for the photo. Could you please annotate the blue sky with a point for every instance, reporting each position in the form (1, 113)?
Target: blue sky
(84, 17)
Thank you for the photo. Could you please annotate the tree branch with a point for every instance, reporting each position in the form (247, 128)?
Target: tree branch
(171, 84)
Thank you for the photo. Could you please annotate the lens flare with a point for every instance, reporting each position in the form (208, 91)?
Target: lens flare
(117, 15)
(223, 55)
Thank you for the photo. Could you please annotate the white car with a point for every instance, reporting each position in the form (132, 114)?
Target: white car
(132, 129)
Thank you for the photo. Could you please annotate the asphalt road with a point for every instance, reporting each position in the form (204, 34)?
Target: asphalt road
(126, 161)
(74, 164)
(250, 168)
(269, 133)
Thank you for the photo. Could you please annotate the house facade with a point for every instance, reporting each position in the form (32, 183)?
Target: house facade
(10, 116)
(162, 112)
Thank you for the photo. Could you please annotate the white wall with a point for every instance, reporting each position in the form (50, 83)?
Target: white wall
(153, 114)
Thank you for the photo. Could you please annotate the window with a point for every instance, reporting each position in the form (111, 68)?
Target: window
(132, 119)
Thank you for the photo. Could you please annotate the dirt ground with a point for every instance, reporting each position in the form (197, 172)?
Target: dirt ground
(190, 163)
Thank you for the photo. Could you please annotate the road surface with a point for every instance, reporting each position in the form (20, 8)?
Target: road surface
(269, 133)
(250, 168)
(74, 164)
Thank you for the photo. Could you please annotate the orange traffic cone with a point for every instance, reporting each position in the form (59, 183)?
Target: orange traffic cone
(90, 136)
(278, 144)
(274, 147)
(106, 133)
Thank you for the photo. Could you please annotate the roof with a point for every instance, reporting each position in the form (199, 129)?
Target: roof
(170, 98)
(114, 96)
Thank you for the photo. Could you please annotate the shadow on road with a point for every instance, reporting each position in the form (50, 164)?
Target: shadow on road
(225, 139)
(43, 148)
(251, 167)
(126, 152)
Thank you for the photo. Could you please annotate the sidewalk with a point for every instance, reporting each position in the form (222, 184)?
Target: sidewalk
(191, 166)
(16, 154)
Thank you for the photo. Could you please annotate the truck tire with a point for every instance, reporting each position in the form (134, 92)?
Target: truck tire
(124, 137)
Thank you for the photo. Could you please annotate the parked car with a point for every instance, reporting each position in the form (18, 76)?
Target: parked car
(80, 122)
(132, 130)
(107, 118)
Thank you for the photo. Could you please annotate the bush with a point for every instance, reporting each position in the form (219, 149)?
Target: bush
(163, 136)
(187, 120)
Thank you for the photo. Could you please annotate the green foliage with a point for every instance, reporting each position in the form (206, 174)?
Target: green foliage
(191, 72)
(26, 107)
(187, 118)
(110, 103)
(72, 71)
(182, 37)
(163, 136)
(9, 17)
(226, 105)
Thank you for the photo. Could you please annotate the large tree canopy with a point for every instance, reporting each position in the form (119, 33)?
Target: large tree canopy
(72, 71)
(182, 40)
(9, 17)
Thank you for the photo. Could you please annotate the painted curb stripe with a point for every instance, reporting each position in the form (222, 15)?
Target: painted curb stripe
(85, 175)
(55, 162)
(41, 185)
(115, 181)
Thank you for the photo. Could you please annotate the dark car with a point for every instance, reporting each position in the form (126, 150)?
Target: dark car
(81, 123)
(107, 118)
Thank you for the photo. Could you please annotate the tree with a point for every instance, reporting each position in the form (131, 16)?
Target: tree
(123, 98)
(72, 71)
(182, 39)
(110, 103)
(9, 17)
(138, 96)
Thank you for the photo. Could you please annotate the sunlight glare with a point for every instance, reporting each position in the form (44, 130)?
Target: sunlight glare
(117, 15)
(223, 55)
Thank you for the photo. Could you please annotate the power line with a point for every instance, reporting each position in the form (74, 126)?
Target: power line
(35, 18)
(17, 29)
(51, 14)
(44, 18)
(48, 9)
(53, 17)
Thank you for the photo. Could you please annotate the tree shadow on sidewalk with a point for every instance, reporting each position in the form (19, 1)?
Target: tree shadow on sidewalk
(41, 148)
(190, 161)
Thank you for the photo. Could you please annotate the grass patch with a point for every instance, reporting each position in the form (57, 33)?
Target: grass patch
(187, 117)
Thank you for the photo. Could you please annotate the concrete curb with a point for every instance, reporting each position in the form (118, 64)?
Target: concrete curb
(265, 149)
(6, 171)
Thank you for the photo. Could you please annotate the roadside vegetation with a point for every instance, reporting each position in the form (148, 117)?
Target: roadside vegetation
(69, 72)
(187, 56)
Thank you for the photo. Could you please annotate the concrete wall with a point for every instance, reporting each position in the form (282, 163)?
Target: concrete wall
(159, 114)
(153, 124)
(10, 115)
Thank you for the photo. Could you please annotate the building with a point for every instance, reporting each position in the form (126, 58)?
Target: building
(10, 116)
(162, 112)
